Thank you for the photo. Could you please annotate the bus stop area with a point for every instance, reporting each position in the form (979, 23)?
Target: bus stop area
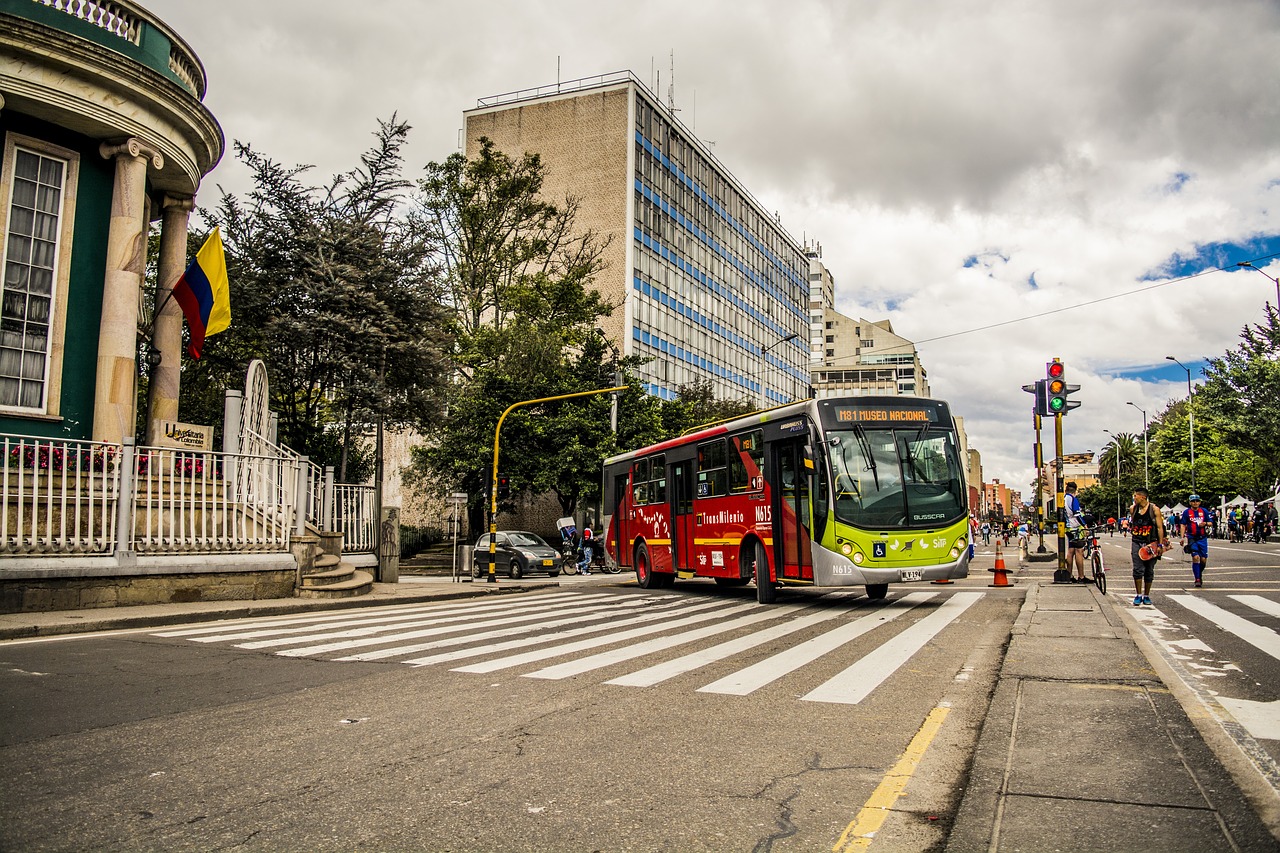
(1086, 745)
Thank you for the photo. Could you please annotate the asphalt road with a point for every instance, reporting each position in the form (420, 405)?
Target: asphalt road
(254, 736)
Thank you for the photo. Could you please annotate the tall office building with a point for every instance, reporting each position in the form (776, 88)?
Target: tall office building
(705, 280)
(822, 298)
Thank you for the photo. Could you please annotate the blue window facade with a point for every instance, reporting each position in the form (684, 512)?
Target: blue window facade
(719, 291)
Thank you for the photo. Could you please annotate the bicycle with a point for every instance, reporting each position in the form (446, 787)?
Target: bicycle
(1093, 554)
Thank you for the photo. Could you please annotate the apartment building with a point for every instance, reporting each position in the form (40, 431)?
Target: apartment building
(706, 282)
(862, 357)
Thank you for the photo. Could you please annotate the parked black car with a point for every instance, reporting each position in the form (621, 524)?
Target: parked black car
(517, 553)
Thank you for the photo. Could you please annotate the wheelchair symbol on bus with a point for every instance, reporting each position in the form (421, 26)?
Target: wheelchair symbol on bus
(878, 549)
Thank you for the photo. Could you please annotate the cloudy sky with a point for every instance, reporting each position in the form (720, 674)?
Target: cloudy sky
(1005, 181)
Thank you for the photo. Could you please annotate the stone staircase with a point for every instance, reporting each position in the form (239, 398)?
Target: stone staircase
(329, 576)
(435, 560)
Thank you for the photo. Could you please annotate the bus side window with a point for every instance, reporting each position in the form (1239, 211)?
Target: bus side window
(746, 462)
(640, 477)
(712, 477)
(658, 485)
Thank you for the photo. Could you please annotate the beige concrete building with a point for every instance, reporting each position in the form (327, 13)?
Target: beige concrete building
(822, 298)
(705, 281)
(862, 357)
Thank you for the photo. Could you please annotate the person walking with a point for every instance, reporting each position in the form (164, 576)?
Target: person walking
(1146, 526)
(584, 564)
(986, 533)
(1193, 532)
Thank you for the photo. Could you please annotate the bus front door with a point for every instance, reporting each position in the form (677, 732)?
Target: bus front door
(792, 524)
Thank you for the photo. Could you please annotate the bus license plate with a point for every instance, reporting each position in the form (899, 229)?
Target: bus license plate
(911, 575)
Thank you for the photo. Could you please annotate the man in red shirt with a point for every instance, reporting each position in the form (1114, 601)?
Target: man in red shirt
(1193, 529)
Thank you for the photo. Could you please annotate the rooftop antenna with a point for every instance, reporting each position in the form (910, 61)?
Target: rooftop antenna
(671, 86)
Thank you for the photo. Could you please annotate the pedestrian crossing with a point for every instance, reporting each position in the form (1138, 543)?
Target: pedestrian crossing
(565, 635)
(1199, 659)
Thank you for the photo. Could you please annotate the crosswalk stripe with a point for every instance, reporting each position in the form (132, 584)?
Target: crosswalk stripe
(422, 619)
(521, 624)
(603, 659)
(555, 636)
(1257, 602)
(312, 622)
(581, 645)
(1263, 639)
(770, 669)
(695, 660)
(855, 683)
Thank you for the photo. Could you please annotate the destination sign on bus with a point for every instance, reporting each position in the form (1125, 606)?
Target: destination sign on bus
(883, 412)
(845, 415)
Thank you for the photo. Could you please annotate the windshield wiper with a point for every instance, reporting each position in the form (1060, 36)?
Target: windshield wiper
(861, 435)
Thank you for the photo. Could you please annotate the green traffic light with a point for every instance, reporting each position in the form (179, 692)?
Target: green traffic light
(1056, 403)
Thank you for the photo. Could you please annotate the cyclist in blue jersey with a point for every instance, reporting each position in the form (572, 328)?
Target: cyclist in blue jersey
(1193, 529)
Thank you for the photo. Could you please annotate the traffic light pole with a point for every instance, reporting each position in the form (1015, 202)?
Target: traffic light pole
(1039, 454)
(1060, 495)
(493, 494)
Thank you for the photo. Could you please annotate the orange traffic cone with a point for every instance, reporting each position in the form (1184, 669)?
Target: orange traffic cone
(1002, 576)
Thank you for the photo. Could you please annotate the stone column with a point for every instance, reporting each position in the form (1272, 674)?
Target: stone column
(114, 397)
(162, 396)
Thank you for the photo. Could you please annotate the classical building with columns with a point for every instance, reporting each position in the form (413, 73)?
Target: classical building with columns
(104, 132)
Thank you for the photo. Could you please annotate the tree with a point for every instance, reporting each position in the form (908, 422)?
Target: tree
(1242, 393)
(334, 289)
(515, 274)
(1125, 445)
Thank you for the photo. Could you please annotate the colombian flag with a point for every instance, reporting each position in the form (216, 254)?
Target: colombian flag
(203, 293)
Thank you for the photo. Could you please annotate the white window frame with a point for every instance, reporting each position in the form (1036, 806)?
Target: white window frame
(52, 403)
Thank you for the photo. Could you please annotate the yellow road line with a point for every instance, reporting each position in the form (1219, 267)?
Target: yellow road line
(859, 834)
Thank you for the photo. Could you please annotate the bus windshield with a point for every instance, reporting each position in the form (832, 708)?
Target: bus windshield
(907, 477)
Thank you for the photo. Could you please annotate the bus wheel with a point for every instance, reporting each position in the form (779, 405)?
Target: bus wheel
(644, 570)
(766, 592)
(876, 591)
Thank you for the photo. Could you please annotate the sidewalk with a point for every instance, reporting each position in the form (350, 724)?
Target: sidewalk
(1085, 748)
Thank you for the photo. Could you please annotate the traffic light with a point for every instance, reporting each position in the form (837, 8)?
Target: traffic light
(1038, 396)
(504, 487)
(1056, 390)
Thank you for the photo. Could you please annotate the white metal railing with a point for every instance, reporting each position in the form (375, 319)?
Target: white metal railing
(203, 501)
(59, 497)
(64, 497)
(354, 515)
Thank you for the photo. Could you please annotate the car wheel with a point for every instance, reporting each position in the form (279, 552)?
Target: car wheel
(516, 570)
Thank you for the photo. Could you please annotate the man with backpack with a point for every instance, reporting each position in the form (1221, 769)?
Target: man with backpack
(1193, 529)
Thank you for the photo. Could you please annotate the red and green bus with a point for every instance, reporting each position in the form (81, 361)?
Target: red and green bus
(832, 492)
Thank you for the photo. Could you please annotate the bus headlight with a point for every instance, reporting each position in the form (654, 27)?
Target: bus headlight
(846, 549)
(858, 558)
(958, 548)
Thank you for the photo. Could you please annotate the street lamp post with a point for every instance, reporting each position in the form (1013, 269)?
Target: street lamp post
(764, 365)
(1248, 265)
(1116, 450)
(1191, 420)
(1146, 476)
